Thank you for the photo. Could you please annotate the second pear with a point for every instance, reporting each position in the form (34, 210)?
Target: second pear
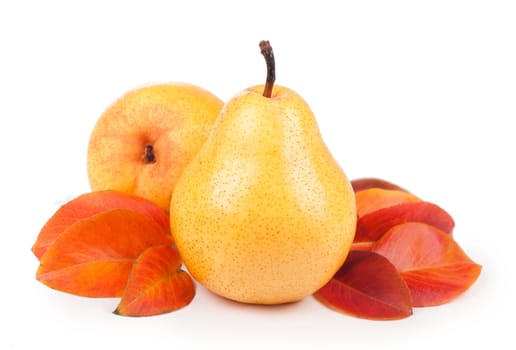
(263, 213)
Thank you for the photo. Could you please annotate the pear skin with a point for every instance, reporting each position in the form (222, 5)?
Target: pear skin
(263, 214)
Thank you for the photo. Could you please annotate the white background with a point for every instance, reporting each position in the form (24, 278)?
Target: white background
(419, 93)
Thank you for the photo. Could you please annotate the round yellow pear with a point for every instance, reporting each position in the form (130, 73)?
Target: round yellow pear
(144, 140)
(263, 214)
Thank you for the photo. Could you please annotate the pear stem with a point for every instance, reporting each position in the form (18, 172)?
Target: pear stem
(266, 50)
(149, 156)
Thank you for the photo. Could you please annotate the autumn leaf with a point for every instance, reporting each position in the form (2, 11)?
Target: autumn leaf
(432, 264)
(367, 286)
(373, 199)
(93, 257)
(89, 204)
(365, 183)
(156, 284)
(372, 226)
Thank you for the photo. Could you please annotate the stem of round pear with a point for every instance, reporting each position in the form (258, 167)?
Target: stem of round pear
(149, 156)
(266, 50)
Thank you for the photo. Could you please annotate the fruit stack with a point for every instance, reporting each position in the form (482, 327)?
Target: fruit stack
(246, 195)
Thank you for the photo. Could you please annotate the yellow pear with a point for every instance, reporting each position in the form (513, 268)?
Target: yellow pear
(143, 141)
(263, 213)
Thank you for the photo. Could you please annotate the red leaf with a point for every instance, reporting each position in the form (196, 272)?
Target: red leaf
(373, 182)
(94, 256)
(367, 286)
(435, 268)
(157, 284)
(372, 226)
(89, 204)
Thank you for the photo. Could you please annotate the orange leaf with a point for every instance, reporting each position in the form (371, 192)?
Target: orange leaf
(374, 199)
(94, 256)
(89, 204)
(435, 268)
(367, 286)
(157, 284)
(372, 226)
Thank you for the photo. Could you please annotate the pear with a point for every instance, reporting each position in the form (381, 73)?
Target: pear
(263, 213)
(143, 141)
